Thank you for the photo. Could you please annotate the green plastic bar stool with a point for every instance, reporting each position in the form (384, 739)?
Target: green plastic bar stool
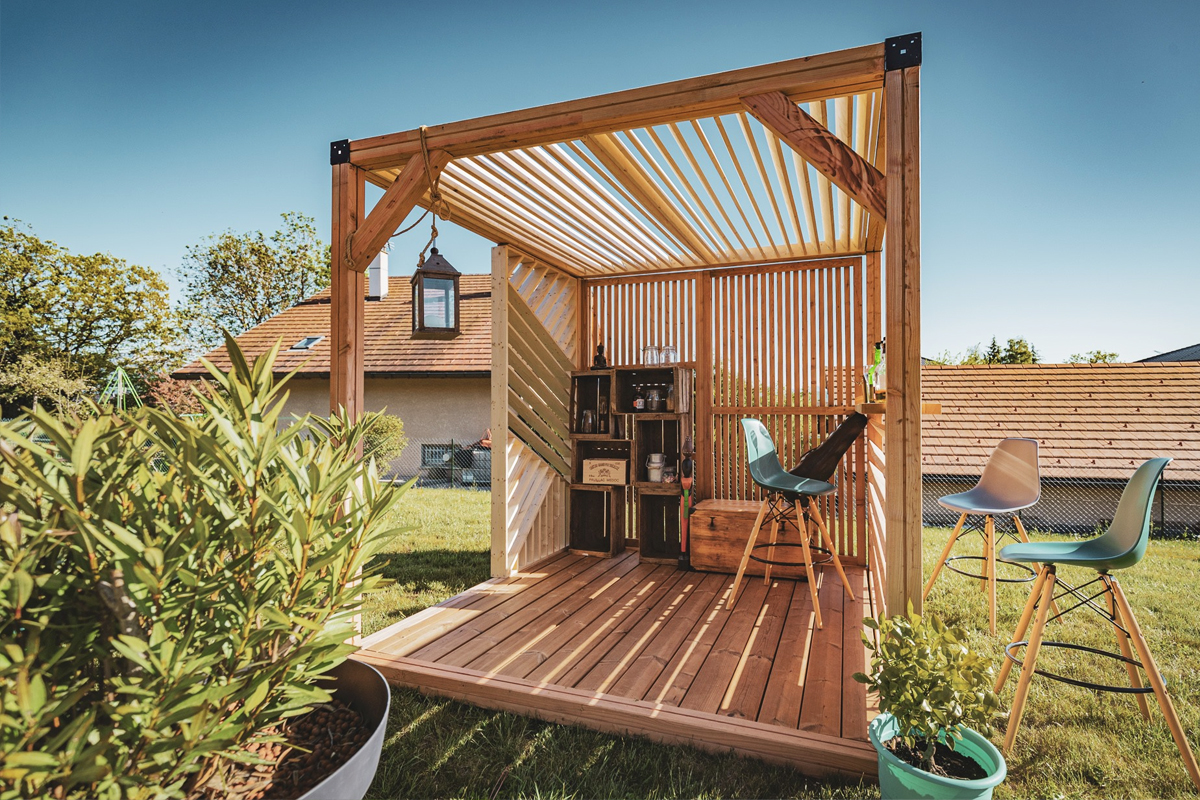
(1120, 547)
(785, 495)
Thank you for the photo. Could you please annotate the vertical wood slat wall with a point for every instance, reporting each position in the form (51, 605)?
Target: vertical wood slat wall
(787, 346)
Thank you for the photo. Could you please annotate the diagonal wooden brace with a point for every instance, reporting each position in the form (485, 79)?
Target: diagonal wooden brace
(399, 199)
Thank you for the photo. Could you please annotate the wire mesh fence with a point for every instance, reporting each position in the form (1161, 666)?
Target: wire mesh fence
(444, 464)
(1076, 506)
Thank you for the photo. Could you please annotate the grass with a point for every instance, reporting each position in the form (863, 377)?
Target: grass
(1073, 743)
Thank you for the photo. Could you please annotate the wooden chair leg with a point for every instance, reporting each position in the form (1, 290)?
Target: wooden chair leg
(990, 525)
(828, 540)
(983, 584)
(1135, 680)
(1025, 538)
(762, 512)
(1156, 682)
(1022, 626)
(771, 550)
(945, 554)
(1030, 660)
(808, 566)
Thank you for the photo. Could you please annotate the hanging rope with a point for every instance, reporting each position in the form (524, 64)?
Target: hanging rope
(437, 204)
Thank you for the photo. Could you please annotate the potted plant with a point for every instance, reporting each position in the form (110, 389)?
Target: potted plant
(176, 594)
(931, 686)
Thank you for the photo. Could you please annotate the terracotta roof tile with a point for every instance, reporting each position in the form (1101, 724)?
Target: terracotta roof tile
(389, 345)
(1091, 420)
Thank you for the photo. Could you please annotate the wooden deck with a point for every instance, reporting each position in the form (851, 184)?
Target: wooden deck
(638, 648)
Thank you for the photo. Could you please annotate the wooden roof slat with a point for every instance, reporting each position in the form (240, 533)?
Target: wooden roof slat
(686, 149)
(752, 143)
(776, 149)
(598, 209)
(824, 189)
(678, 200)
(682, 178)
(561, 155)
(712, 157)
(842, 109)
(610, 152)
(830, 74)
(746, 185)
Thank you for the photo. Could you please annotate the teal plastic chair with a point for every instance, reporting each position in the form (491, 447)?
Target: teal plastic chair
(786, 496)
(1122, 546)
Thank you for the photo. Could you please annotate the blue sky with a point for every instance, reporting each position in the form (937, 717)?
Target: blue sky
(1060, 163)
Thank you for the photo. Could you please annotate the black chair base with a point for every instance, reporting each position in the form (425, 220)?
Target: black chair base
(826, 558)
(1023, 579)
(1099, 687)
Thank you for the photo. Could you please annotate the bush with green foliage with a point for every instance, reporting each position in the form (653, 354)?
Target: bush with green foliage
(385, 441)
(929, 680)
(154, 621)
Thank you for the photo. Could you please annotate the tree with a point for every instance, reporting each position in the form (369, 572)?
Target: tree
(1018, 351)
(89, 313)
(1094, 357)
(236, 281)
(45, 381)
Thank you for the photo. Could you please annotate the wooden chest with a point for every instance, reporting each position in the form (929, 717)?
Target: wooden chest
(717, 536)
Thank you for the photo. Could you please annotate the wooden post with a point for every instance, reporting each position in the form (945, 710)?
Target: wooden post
(903, 327)
(347, 295)
(500, 411)
(705, 487)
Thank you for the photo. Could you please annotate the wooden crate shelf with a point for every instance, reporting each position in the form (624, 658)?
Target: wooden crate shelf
(597, 519)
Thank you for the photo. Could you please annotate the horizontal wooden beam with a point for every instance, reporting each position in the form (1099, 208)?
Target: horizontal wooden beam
(811, 753)
(832, 157)
(834, 74)
(398, 199)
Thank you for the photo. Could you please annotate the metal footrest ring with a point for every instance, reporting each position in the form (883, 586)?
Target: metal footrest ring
(827, 556)
(1023, 579)
(1099, 687)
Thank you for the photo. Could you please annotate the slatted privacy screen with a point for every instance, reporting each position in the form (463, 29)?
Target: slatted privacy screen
(787, 350)
(540, 339)
(786, 344)
(627, 314)
(709, 191)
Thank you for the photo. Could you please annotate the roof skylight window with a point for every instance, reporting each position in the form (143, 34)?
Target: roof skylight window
(307, 342)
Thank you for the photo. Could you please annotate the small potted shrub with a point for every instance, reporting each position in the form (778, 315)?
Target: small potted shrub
(176, 596)
(931, 686)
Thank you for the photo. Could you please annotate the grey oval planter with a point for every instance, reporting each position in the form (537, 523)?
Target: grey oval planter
(899, 779)
(361, 687)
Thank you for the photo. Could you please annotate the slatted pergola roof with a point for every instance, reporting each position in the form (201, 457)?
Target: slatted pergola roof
(771, 163)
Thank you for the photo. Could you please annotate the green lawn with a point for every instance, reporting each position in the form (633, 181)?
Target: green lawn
(1073, 743)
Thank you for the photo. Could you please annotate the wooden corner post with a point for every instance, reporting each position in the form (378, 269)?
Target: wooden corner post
(902, 251)
(347, 289)
(500, 411)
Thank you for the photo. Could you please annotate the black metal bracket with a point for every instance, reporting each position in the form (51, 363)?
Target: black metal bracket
(902, 51)
(339, 152)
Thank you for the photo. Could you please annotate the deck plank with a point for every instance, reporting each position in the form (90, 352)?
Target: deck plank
(655, 656)
(414, 632)
(542, 636)
(586, 648)
(821, 711)
(477, 625)
(708, 689)
(544, 608)
(744, 696)
(854, 659)
(785, 685)
(673, 684)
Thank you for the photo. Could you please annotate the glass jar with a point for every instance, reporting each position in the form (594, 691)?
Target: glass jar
(650, 354)
(669, 355)
(589, 421)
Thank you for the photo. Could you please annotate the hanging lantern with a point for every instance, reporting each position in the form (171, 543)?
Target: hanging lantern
(435, 297)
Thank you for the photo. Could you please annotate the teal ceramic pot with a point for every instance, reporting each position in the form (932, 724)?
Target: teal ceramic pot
(899, 779)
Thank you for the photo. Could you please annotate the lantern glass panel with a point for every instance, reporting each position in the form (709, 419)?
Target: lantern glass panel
(438, 302)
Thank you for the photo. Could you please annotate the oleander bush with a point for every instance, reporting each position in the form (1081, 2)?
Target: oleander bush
(929, 679)
(156, 620)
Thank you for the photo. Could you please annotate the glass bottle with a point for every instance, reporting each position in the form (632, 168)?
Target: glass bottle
(602, 413)
(639, 398)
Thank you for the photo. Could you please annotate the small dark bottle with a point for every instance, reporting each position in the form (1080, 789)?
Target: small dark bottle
(639, 398)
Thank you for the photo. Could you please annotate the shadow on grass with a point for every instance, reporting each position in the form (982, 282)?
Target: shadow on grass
(441, 748)
(422, 571)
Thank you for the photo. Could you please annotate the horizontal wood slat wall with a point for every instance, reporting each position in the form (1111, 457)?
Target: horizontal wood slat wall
(786, 344)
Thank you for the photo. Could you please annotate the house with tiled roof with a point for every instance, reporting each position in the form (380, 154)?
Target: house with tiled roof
(1189, 353)
(438, 385)
(1094, 423)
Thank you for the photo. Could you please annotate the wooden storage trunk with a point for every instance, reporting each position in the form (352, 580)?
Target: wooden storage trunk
(717, 537)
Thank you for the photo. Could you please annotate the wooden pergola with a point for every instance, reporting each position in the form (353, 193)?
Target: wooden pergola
(764, 221)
